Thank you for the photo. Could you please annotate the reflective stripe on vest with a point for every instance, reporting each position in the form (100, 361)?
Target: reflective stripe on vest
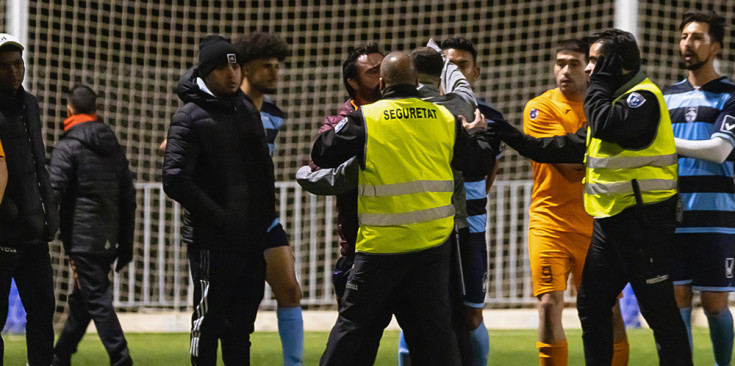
(406, 188)
(405, 191)
(405, 218)
(611, 168)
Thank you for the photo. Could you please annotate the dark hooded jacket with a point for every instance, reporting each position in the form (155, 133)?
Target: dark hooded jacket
(28, 214)
(217, 166)
(347, 224)
(94, 189)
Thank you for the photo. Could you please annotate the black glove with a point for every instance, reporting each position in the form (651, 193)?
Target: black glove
(608, 72)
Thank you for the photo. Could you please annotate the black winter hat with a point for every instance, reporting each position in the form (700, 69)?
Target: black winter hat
(215, 51)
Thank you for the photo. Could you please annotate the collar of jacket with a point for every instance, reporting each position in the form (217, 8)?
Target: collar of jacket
(400, 92)
(77, 119)
(633, 81)
(426, 90)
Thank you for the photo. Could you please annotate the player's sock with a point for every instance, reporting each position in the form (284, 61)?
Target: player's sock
(686, 314)
(554, 354)
(721, 334)
(621, 350)
(403, 359)
(480, 344)
(291, 330)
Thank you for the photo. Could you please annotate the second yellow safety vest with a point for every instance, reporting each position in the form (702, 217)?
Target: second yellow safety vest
(611, 169)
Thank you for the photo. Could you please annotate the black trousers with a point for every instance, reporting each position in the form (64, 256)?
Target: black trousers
(340, 274)
(228, 288)
(91, 300)
(412, 286)
(30, 266)
(633, 246)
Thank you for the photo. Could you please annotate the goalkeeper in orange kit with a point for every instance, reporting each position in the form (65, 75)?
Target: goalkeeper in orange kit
(560, 229)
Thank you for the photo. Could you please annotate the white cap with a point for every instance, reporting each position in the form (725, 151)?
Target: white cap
(10, 40)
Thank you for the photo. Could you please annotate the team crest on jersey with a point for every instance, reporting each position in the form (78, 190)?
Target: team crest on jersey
(635, 100)
(691, 114)
(341, 124)
(728, 124)
(533, 114)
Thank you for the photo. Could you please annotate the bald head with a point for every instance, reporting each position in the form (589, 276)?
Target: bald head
(397, 68)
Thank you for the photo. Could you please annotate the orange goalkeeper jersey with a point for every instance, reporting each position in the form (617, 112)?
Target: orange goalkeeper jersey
(556, 202)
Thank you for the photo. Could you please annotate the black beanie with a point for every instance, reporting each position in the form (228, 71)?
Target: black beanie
(215, 51)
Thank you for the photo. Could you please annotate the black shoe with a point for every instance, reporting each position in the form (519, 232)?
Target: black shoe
(61, 361)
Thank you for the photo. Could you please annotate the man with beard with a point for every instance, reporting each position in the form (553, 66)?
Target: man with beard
(361, 78)
(260, 59)
(702, 110)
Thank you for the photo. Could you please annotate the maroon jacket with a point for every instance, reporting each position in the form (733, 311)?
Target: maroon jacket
(346, 202)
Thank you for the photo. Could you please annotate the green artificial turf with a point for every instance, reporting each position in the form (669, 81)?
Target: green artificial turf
(507, 347)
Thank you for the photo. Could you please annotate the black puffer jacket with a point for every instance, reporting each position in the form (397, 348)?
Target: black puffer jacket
(217, 166)
(28, 214)
(94, 189)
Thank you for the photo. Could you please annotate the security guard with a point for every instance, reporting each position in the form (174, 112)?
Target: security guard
(406, 149)
(630, 190)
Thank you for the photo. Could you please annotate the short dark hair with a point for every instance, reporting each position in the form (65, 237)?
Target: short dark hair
(261, 45)
(349, 66)
(460, 43)
(622, 43)
(427, 61)
(716, 23)
(574, 45)
(83, 99)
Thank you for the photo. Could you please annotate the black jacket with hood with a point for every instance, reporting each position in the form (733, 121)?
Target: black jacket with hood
(94, 189)
(217, 166)
(28, 214)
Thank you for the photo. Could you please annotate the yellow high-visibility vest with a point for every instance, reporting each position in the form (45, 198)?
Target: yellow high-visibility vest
(404, 199)
(610, 168)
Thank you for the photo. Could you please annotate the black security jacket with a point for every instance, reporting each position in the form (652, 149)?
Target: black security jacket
(217, 166)
(94, 189)
(28, 214)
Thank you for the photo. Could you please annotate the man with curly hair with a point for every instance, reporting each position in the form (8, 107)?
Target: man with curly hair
(260, 59)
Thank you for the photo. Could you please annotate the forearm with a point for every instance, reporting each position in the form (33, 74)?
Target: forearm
(715, 150)
(328, 182)
(183, 190)
(631, 125)
(453, 81)
(569, 148)
(332, 148)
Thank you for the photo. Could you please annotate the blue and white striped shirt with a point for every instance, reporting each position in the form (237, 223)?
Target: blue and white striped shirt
(706, 188)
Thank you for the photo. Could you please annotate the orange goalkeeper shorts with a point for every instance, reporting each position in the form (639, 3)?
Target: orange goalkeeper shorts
(555, 254)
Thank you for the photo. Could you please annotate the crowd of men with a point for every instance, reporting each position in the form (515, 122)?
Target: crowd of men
(631, 185)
